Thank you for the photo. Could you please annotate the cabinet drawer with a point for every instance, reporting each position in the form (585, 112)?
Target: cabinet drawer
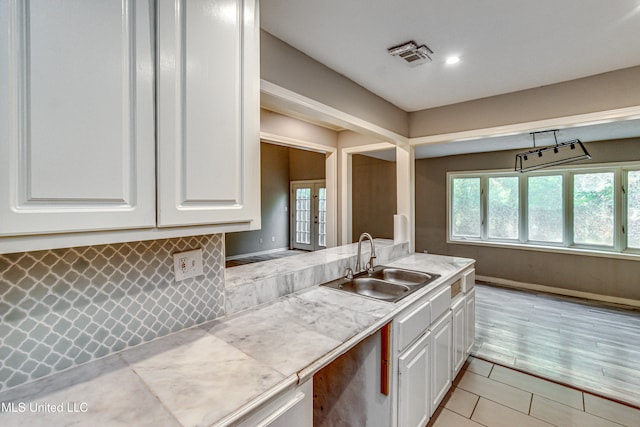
(411, 325)
(293, 408)
(440, 303)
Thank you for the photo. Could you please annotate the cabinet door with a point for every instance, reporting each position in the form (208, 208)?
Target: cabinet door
(441, 359)
(470, 320)
(459, 334)
(77, 149)
(414, 399)
(208, 112)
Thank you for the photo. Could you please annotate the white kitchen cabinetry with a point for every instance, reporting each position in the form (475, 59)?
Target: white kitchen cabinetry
(208, 112)
(293, 408)
(468, 280)
(459, 334)
(441, 359)
(470, 320)
(77, 149)
(104, 104)
(413, 384)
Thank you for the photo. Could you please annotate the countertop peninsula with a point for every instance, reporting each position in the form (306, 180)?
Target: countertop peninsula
(217, 372)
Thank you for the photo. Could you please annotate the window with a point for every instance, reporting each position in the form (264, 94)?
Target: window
(593, 209)
(545, 209)
(589, 208)
(633, 209)
(466, 207)
(503, 208)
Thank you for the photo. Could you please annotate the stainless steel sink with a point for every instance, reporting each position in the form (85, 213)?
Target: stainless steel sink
(375, 288)
(402, 276)
(384, 283)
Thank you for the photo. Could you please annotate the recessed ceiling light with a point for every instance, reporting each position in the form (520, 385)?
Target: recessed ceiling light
(452, 60)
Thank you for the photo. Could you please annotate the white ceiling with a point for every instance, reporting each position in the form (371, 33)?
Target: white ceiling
(504, 45)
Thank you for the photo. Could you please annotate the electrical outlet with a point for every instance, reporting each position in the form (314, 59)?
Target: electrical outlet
(273, 238)
(187, 264)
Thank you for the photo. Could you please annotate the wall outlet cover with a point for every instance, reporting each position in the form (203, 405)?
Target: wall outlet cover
(187, 264)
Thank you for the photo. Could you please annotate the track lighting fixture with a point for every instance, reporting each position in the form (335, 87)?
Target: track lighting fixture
(558, 154)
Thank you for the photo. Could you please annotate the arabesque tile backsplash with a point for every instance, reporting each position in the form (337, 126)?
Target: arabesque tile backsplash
(64, 307)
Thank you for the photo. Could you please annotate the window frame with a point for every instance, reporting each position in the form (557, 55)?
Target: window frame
(619, 249)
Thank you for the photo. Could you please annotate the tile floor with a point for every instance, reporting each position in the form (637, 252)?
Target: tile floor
(490, 395)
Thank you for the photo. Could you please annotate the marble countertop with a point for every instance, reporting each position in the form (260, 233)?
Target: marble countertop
(217, 372)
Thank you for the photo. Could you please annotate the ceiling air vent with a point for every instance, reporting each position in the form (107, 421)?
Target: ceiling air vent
(412, 53)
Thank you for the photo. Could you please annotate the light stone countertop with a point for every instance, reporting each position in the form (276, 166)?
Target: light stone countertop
(216, 373)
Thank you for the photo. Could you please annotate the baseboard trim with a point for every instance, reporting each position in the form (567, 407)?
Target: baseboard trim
(270, 251)
(559, 291)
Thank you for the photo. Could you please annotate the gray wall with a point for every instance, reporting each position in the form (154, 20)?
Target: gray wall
(287, 67)
(278, 166)
(602, 92)
(289, 127)
(374, 196)
(274, 199)
(605, 276)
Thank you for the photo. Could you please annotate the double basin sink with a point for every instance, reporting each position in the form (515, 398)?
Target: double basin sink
(384, 283)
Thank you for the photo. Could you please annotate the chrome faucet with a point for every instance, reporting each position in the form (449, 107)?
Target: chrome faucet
(369, 265)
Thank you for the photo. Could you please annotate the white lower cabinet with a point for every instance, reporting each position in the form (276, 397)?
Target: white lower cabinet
(413, 384)
(470, 321)
(430, 341)
(293, 408)
(441, 359)
(459, 334)
(424, 356)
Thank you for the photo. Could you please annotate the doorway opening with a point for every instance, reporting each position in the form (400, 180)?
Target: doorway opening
(373, 194)
(280, 165)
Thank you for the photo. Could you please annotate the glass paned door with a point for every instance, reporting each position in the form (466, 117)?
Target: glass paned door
(308, 215)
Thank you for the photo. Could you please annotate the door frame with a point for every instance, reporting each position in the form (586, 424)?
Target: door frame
(331, 174)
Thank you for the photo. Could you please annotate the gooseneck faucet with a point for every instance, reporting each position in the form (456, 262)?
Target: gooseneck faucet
(369, 265)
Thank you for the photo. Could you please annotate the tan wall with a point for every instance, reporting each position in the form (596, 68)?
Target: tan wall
(281, 125)
(306, 165)
(373, 197)
(287, 67)
(602, 92)
(348, 139)
(605, 276)
(274, 199)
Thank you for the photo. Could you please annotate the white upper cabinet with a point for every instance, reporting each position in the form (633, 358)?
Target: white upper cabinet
(126, 117)
(77, 120)
(208, 112)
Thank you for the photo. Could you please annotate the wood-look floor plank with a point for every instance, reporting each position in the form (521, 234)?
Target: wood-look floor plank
(581, 343)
